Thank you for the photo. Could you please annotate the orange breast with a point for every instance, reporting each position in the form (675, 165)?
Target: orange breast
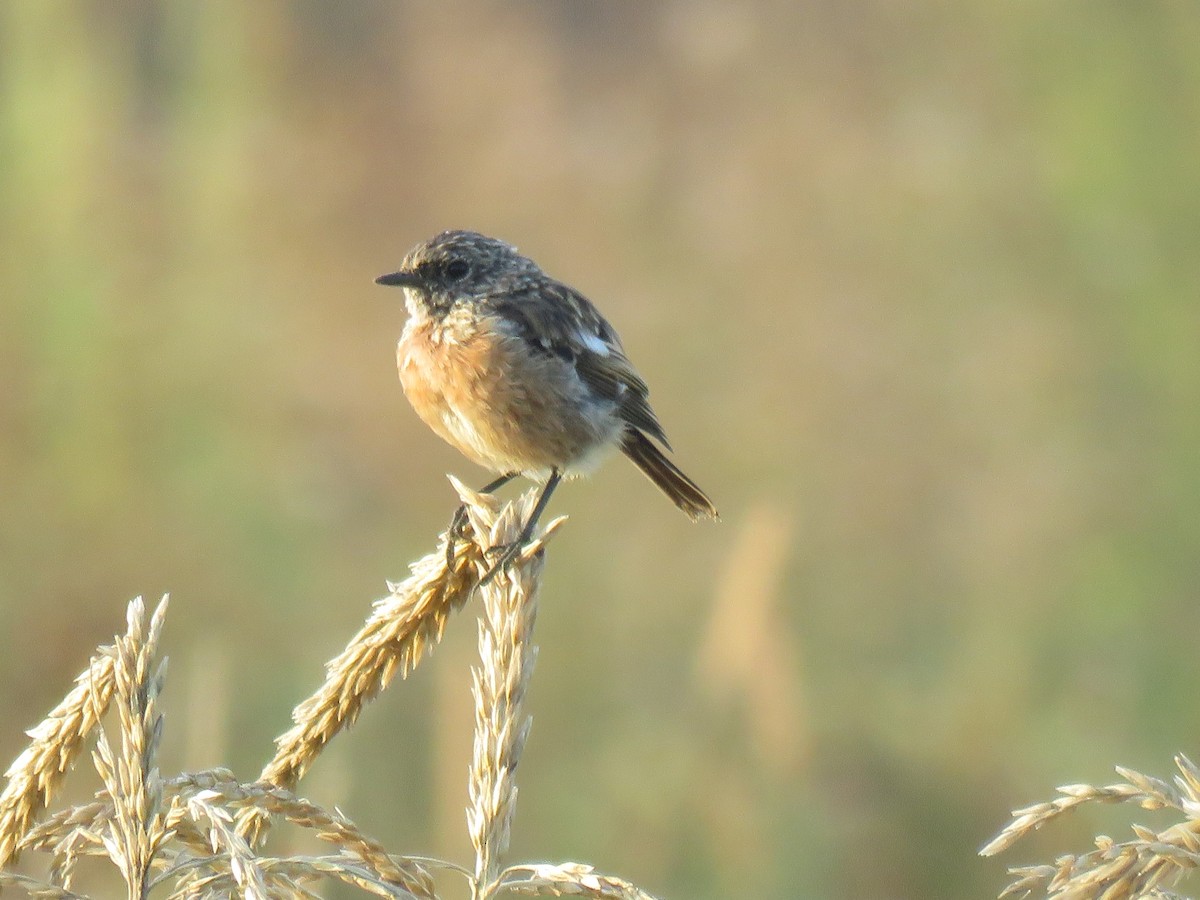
(502, 404)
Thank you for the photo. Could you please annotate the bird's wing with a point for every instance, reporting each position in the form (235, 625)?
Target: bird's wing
(554, 318)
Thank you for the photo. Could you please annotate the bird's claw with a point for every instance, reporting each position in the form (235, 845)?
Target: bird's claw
(506, 553)
(455, 533)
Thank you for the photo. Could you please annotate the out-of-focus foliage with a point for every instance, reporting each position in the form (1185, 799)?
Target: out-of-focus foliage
(915, 289)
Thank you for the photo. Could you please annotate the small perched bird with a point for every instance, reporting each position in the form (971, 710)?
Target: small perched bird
(522, 374)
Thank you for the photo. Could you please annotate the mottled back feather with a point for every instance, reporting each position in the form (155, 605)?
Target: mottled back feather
(561, 328)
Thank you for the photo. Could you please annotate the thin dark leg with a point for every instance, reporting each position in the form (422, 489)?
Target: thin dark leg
(511, 551)
(460, 515)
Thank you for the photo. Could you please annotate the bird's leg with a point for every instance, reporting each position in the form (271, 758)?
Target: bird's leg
(458, 523)
(508, 552)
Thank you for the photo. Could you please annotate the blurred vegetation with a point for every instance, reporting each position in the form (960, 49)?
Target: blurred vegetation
(915, 288)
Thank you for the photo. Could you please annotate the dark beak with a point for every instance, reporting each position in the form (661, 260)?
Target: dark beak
(400, 279)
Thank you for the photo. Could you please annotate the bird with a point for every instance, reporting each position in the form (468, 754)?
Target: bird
(523, 375)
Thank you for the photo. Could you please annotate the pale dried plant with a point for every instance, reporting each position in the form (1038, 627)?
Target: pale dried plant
(136, 831)
(197, 835)
(499, 683)
(1147, 866)
(572, 879)
(402, 626)
(748, 659)
(56, 742)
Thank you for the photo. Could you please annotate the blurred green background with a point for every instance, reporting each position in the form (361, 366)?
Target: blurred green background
(915, 288)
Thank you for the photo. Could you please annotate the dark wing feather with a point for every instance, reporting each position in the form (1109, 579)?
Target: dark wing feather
(613, 376)
(551, 317)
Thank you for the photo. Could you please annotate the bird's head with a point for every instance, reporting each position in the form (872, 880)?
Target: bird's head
(457, 267)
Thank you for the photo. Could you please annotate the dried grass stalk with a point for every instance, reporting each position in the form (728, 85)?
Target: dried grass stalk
(574, 879)
(402, 626)
(499, 683)
(225, 840)
(80, 842)
(400, 874)
(60, 825)
(136, 830)
(39, 889)
(88, 820)
(194, 835)
(55, 744)
(1144, 867)
(287, 877)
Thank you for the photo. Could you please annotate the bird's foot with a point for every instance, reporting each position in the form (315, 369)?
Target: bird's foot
(509, 552)
(458, 525)
(505, 555)
(455, 533)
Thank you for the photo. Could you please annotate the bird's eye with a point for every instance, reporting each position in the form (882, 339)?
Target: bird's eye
(457, 269)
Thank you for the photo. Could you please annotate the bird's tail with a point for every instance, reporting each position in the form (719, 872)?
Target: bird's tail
(684, 492)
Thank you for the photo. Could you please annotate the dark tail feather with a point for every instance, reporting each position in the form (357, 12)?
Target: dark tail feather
(684, 492)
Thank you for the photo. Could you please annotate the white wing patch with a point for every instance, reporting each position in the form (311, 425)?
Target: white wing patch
(594, 343)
